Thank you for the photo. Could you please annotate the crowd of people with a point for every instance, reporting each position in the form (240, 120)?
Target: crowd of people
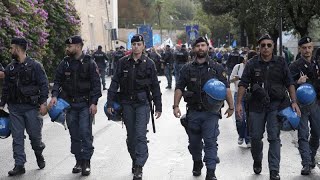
(265, 85)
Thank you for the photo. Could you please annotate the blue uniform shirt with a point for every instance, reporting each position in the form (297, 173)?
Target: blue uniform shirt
(95, 85)
(119, 75)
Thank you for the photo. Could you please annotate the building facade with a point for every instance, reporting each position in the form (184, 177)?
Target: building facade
(98, 18)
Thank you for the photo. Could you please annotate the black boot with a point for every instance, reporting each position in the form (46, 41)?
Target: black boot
(197, 166)
(133, 166)
(305, 170)
(77, 167)
(137, 175)
(86, 168)
(40, 160)
(211, 175)
(274, 175)
(313, 163)
(257, 167)
(17, 170)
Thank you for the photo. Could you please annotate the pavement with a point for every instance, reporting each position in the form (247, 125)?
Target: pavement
(169, 158)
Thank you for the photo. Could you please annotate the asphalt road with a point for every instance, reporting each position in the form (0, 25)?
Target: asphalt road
(169, 158)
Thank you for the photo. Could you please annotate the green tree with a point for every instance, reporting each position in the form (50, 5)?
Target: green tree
(25, 19)
(63, 22)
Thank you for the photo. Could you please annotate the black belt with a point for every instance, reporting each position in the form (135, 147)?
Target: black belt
(78, 99)
(196, 107)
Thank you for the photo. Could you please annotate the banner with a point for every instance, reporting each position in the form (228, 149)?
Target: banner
(192, 33)
(146, 31)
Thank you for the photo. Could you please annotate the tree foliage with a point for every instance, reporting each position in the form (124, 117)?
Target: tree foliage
(260, 16)
(45, 25)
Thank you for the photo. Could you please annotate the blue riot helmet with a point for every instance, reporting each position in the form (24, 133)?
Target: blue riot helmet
(216, 92)
(117, 114)
(4, 125)
(306, 94)
(57, 113)
(289, 119)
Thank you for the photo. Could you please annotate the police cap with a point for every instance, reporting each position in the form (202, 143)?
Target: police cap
(304, 40)
(74, 40)
(19, 41)
(264, 37)
(137, 38)
(199, 40)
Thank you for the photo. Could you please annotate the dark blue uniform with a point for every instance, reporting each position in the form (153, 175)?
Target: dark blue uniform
(181, 57)
(310, 113)
(25, 88)
(268, 82)
(202, 122)
(77, 81)
(135, 80)
(100, 58)
(168, 63)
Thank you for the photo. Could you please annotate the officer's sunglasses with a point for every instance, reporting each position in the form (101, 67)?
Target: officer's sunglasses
(265, 45)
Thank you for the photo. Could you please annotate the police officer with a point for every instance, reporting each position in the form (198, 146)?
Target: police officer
(181, 57)
(168, 62)
(269, 78)
(117, 56)
(100, 58)
(25, 90)
(306, 69)
(136, 76)
(202, 121)
(233, 59)
(77, 81)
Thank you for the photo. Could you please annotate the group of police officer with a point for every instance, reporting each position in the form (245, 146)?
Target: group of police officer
(135, 85)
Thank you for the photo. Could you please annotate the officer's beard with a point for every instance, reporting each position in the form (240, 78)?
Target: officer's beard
(14, 56)
(202, 54)
(70, 54)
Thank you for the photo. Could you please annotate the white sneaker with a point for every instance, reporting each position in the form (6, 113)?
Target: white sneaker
(240, 141)
(248, 145)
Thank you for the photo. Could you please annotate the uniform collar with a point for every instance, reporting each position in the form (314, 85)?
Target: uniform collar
(261, 60)
(142, 58)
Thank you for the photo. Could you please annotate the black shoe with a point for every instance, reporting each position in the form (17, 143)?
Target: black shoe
(305, 170)
(77, 167)
(40, 161)
(133, 167)
(257, 167)
(217, 160)
(274, 175)
(211, 175)
(313, 163)
(168, 87)
(197, 166)
(85, 168)
(137, 175)
(17, 170)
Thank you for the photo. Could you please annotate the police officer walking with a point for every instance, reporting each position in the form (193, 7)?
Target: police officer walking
(168, 62)
(77, 81)
(117, 56)
(305, 69)
(136, 77)
(25, 90)
(269, 78)
(181, 57)
(100, 58)
(201, 117)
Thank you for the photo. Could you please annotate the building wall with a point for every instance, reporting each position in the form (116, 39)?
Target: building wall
(94, 16)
